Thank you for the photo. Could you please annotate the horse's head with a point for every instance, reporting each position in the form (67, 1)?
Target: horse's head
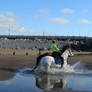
(67, 51)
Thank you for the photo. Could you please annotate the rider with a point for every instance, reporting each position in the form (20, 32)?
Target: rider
(54, 47)
(56, 53)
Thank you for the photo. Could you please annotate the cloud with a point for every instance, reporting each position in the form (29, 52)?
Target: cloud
(22, 30)
(67, 11)
(35, 17)
(84, 11)
(44, 11)
(60, 20)
(8, 20)
(84, 21)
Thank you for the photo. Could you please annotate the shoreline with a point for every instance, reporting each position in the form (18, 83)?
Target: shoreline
(32, 52)
(21, 59)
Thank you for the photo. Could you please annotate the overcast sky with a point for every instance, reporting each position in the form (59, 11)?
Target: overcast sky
(51, 17)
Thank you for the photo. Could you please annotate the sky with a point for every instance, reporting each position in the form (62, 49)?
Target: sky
(46, 17)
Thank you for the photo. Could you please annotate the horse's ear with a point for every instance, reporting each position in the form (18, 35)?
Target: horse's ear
(67, 46)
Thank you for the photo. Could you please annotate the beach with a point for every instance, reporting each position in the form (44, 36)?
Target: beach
(12, 60)
(17, 59)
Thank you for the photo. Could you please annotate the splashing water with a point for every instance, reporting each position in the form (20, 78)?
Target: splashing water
(76, 68)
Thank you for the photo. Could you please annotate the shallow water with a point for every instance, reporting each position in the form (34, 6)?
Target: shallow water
(20, 81)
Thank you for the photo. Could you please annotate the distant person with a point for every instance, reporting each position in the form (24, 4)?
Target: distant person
(54, 47)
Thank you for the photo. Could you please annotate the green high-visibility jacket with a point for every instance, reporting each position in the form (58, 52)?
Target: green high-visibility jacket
(54, 47)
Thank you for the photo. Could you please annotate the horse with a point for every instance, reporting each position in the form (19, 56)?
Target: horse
(48, 60)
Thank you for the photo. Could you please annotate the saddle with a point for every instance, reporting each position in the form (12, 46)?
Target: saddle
(57, 57)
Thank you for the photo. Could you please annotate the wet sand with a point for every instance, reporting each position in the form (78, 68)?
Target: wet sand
(21, 60)
(10, 62)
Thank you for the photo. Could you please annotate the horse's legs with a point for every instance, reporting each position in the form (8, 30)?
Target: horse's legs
(37, 62)
(62, 61)
(47, 68)
(65, 63)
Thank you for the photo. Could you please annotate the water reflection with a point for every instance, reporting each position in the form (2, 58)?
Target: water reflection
(12, 81)
(49, 82)
(64, 82)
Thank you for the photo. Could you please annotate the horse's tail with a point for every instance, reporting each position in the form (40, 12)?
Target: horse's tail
(37, 62)
(33, 69)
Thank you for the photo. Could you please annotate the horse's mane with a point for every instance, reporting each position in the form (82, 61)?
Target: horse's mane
(64, 48)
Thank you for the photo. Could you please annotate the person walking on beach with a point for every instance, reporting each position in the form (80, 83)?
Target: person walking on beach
(54, 47)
